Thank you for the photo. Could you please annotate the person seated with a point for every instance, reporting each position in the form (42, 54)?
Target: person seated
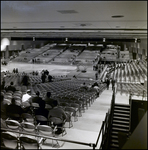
(42, 111)
(95, 84)
(57, 112)
(48, 100)
(37, 98)
(11, 87)
(83, 86)
(96, 87)
(27, 96)
(3, 108)
(14, 109)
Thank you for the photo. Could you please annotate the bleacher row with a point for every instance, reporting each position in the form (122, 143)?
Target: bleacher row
(131, 88)
(130, 72)
(58, 54)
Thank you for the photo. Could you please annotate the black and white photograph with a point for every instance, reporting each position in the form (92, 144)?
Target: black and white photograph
(74, 75)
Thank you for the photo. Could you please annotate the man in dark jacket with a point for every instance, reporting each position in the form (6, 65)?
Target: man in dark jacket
(48, 100)
(14, 111)
(42, 111)
(11, 87)
(37, 98)
(60, 115)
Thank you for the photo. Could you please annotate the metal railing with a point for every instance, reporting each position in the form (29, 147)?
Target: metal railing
(52, 138)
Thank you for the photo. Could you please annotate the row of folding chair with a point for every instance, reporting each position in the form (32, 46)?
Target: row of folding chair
(26, 135)
(28, 127)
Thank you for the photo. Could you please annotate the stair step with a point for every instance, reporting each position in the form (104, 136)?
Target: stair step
(114, 141)
(121, 122)
(114, 136)
(123, 108)
(122, 111)
(119, 129)
(120, 125)
(120, 114)
(113, 145)
(122, 105)
(114, 133)
(120, 118)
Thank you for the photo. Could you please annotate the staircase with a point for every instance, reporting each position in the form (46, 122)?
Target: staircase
(120, 125)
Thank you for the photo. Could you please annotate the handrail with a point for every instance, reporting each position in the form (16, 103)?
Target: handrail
(106, 125)
(52, 138)
(130, 103)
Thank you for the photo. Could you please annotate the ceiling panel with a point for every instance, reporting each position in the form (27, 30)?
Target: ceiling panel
(63, 18)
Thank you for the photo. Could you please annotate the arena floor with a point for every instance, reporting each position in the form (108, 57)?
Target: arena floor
(55, 70)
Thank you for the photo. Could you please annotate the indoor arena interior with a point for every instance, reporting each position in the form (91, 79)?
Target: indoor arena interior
(74, 75)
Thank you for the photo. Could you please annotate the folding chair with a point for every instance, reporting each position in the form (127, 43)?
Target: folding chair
(55, 122)
(28, 117)
(71, 111)
(77, 108)
(28, 127)
(29, 142)
(46, 130)
(13, 125)
(41, 119)
(68, 119)
(10, 140)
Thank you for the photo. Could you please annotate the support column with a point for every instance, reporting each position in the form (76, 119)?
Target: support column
(7, 52)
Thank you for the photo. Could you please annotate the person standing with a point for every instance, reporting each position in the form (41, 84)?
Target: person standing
(25, 80)
(108, 83)
(43, 77)
(113, 83)
(96, 75)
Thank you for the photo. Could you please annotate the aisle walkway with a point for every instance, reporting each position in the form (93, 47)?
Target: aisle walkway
(87, 128)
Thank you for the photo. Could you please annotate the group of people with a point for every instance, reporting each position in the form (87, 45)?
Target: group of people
(94, 86)
(15, 70)
(46, 76)
(108, 81)
(53, 111)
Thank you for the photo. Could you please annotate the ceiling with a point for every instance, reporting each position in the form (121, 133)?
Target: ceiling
(91, 19)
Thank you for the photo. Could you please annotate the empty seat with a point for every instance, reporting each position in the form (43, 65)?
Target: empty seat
(10, 140)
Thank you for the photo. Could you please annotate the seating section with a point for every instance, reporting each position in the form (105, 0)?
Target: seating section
(67, 91)
(31, 53)
(28, 131)
(51, 54)
(69, 55)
